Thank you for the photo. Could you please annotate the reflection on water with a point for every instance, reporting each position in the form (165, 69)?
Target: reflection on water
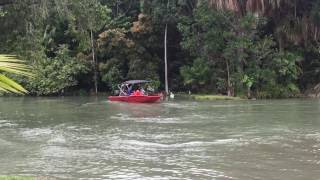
(137, 110)
(83, 138)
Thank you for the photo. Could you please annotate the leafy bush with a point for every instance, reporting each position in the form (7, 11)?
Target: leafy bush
(55, 75)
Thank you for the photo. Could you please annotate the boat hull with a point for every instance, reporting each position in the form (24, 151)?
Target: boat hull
(135, 99)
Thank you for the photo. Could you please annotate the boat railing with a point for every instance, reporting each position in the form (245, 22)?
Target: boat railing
(122, 93)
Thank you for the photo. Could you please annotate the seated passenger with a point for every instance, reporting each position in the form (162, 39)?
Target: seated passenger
(143, 92)
(129, 90)
(137, 93)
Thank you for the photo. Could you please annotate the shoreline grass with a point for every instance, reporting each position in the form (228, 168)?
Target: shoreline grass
(213, 97)
(208, 97)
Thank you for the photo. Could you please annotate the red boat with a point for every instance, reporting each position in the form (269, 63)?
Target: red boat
(139, 96)
(135, 99)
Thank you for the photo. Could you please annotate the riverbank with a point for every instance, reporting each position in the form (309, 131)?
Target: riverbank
(207, 97)
(214, 97)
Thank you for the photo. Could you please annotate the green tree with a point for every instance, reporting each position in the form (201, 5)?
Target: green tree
(89, 17)
(234, 53)
(262, 48)
(55, 75)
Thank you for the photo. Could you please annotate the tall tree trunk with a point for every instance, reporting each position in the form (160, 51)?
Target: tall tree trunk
(165, 59)
(228, 79)
(94, 63)
(117, 12)
(295, 8)
(142, 10)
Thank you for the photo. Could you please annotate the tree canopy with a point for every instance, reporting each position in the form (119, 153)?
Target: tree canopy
(254, 48)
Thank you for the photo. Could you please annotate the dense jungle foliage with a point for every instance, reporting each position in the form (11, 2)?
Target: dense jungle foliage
(254, 48)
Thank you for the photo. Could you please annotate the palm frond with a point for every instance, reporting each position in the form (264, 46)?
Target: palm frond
(11, 64)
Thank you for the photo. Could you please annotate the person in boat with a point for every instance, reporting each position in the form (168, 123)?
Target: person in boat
(130, 89)
(137, 93)
(150, 89)
(143, 92)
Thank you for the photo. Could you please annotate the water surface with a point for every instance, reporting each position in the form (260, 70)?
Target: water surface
(91, 138)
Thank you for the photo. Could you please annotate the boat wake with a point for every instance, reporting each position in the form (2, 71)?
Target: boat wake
(143, 144)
